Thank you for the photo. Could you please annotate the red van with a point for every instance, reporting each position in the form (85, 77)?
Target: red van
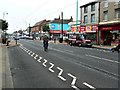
(79, 40)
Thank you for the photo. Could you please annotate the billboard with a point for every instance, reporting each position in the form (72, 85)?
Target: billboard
(55, 26)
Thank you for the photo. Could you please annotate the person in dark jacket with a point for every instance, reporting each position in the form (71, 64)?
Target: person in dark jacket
(117, 48)
(45, 40)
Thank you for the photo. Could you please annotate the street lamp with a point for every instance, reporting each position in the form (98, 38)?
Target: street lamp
(76, 15)
(4, 31)
(4, 14)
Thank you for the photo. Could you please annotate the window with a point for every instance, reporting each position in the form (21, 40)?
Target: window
(93, 7)
(105, 17)
(85, 9)
(85, 19)
(117, 13)
(105, 3)
(92, 18)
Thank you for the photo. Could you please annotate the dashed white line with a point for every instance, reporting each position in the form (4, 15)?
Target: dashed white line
(60, 73)
(50, 69)
(36, 56)
(103, 58)
(44, 63)
(40, 58)
(88, 85)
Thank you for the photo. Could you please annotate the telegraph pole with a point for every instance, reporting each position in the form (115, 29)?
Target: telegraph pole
(62, 25)
(29, 29)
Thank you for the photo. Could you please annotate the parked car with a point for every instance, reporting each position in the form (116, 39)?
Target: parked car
(79, 40)
(16, 38)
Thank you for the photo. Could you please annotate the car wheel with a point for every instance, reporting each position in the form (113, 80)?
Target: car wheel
(70, 44)
(79, 44)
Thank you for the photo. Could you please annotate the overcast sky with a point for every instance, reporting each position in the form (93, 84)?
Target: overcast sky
(23, 12)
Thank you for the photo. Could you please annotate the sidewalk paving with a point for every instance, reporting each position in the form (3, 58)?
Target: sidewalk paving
(5, 73)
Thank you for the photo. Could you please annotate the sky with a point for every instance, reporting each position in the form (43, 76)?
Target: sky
(21, 13)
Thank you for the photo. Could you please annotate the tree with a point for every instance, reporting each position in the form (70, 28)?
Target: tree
(20, 32)
(4, 25)
(45, 28)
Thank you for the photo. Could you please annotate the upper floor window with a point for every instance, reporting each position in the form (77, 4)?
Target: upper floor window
(85, 9)
(93, 7)
(92, 18)
(117, 13)
(105, 17)
(105, 3)
(85, 19)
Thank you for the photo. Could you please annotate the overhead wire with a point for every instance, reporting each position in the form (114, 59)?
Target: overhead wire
(38, 8)
(58, 10)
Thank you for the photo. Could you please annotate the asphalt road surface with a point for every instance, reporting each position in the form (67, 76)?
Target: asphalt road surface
(62, 66)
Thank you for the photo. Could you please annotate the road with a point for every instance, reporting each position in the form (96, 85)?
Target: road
(62, 66)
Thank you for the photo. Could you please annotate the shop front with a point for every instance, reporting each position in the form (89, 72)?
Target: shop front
(110, 34)
(91, 31)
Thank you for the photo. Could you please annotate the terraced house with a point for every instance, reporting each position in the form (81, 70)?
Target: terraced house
(101, 21)
(109, 22)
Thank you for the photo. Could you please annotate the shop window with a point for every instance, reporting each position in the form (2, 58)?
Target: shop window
(92, 18)
(85, 9)
(105, 17)
(117, 13)
(105, 3)
(85, 19)
(93, 7)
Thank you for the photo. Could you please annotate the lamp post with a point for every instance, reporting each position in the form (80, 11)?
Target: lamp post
(76, 15)
(4, 14)
(4, 31)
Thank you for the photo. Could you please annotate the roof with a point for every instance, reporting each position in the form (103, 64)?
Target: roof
(90, 3)
(40, 22)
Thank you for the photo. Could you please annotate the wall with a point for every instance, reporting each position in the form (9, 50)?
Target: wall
(89, 13)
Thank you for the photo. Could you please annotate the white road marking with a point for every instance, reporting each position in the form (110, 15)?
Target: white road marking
(68, 51)
(32, 54)
(60, 73)
(50, 69)
(36, 56)
(44, 63)
(40, 58)
(76, 88)
(74, 79)
(88, 85)
(27, 51)
(102, 58)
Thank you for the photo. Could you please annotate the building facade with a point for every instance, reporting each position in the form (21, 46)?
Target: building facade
(109, 22)
(89, 19)
(56, 27)
(36, 30)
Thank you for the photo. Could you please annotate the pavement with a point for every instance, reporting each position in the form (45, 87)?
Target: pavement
(5, 73)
